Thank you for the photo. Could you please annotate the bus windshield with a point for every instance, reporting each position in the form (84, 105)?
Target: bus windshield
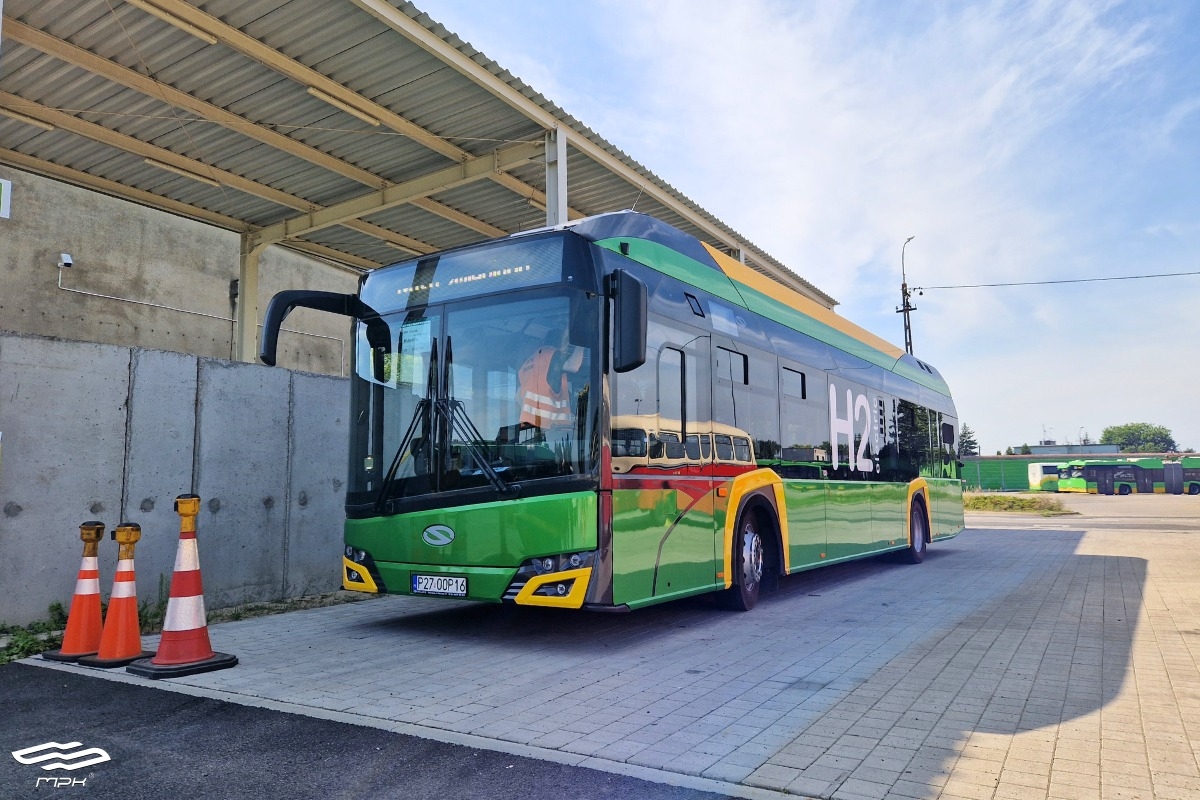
(493, 395)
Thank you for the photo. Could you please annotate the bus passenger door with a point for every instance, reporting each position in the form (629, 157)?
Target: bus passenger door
(687, 558)
(663, 515)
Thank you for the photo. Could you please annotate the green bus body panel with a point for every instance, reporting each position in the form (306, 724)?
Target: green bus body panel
(675, 264)
(946, 511)
(687, 270)
(805, 505)
(493, 538)
(848, 520)
(665, 545)
(889, 515)
(771, 308)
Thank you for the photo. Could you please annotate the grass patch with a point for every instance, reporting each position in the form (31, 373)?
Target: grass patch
(22, 641)
(1046, 506)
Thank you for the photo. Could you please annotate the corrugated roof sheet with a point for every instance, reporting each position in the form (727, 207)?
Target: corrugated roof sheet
(107, 124)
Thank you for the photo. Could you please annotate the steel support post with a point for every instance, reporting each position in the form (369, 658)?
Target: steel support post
(556, 176)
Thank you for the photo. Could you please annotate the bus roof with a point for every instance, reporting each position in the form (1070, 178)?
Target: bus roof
(672, 252)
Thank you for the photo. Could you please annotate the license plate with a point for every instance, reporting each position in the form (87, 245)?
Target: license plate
(439, 584)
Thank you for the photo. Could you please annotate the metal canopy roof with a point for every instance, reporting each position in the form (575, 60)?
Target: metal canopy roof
(359, 131)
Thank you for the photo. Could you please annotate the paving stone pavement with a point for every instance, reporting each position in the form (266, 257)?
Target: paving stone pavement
(1029, 657)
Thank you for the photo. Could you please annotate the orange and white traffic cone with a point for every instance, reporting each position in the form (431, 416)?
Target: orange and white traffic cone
(184, 648)
(121, 641)
(82, 636)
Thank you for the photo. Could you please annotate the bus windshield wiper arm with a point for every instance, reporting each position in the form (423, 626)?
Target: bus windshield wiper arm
(462, 425)
(419, 414)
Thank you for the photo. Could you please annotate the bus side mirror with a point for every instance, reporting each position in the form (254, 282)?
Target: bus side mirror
(948, 434)
(629, 334)
(282, 304)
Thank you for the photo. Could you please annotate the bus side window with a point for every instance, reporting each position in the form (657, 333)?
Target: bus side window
(724, 447)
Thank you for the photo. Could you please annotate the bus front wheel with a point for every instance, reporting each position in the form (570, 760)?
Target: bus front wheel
(748, 560)
(918, 528)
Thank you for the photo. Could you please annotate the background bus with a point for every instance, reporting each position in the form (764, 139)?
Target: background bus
(1043, 476)
(1113, 476)
(1191, 474)
(611, 414)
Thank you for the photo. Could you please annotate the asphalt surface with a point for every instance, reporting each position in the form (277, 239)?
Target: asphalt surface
(164, 744)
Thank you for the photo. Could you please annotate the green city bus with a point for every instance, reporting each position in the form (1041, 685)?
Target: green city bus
(1191, 474)
(610, 414)
(1070, 477)
(1113, 476)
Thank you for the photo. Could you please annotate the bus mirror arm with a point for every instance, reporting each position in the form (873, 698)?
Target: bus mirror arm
(282, 304)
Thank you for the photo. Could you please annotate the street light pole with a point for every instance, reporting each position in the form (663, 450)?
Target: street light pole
(906, 298)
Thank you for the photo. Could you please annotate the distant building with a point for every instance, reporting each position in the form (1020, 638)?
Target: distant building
(1055, 449)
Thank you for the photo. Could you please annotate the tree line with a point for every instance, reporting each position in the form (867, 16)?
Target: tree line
(1132, 437)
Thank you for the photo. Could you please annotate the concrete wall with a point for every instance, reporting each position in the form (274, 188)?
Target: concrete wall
(148, 258)
(112, 433)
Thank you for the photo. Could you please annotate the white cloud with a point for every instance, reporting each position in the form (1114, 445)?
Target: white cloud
(1018, 141)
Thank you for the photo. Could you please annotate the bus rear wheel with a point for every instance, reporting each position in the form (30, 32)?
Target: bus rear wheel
(748, 561)
(918, 527)
(1194, 488)
(1124, 489)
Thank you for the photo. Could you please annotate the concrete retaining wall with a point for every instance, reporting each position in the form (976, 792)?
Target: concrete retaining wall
(146, 278)
(111, 433)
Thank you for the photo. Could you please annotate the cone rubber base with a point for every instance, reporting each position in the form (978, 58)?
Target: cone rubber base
(110, 663)
(68, 658)
(146, 669)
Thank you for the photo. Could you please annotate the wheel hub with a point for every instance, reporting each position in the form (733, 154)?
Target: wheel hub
(752, 557)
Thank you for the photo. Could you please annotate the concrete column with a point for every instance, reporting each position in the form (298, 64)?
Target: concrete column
(246, 311)
(556, 176)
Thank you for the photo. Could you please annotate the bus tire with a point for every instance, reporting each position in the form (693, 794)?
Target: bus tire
(918, 527)
(1124, 490)
(1194, 488)
(748, 564)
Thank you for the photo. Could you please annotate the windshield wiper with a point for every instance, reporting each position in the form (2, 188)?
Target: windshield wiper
(419, 415)
(460, 424)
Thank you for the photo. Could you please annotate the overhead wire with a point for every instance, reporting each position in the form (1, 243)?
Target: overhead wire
(1062, 280)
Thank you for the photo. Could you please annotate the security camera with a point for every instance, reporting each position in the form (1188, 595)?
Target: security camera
(65, 260)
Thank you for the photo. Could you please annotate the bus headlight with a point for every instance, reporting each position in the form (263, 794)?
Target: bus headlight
(546, 565)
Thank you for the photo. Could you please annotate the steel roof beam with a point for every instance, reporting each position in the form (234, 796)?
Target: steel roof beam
(252, 48)
(479, 168)
(87, 180)
(467, 221)
(184, 165)
(416, 32)
(97, 65)
(130, 144)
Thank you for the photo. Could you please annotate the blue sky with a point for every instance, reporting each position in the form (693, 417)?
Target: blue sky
(1017, 141)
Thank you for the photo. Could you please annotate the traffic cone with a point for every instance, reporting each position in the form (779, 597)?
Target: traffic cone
(184, 648)
(121, 641)
(82, 637)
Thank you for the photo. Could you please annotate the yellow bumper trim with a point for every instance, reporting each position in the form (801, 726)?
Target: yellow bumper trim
(572, 599)
(366, 582)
